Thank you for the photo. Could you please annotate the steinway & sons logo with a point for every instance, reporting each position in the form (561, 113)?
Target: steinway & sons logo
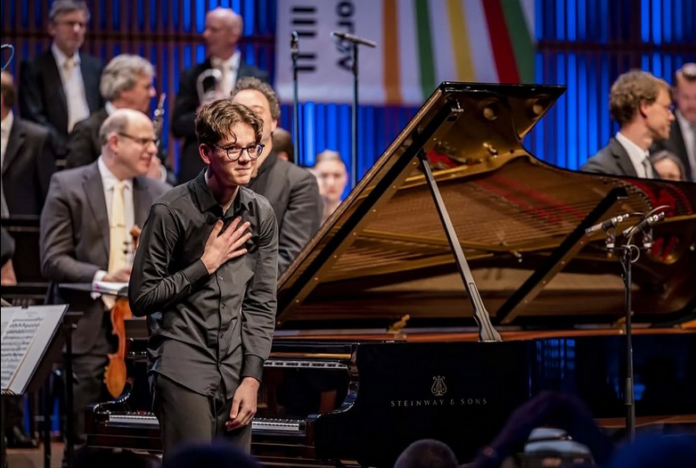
(438, 389)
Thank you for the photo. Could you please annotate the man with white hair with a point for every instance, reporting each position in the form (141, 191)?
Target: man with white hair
(60, 87)
(126, 83)
(223, 29)
(85, 229)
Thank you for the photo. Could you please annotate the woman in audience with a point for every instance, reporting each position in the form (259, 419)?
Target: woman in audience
(332, 176)
(668, 165)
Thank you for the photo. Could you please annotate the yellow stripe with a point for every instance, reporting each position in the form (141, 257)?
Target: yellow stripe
(460, 41)
(392, 83)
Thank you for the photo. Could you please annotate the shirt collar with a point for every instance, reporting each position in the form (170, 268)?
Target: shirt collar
(7, 122)
(206, 201)
(635, 152)
(61, 57)
(231, 63)
(683, 123)
(109, 180)
(110, 108)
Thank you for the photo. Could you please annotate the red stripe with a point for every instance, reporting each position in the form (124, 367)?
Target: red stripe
(500, 42)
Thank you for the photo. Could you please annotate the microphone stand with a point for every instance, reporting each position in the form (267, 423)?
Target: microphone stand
(295, 51)
(354, 119)
(630, 253)
(629, 395)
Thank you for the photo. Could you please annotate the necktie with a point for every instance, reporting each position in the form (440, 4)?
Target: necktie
(118, 240)
(69, 66)
(648, 169)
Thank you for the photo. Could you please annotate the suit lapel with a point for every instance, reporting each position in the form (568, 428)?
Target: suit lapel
(90, 81)
(54, 83)
(623, 160)
(142, 200)
(94, 189)
(14, 142)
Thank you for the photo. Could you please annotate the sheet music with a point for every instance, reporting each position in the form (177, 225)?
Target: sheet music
(26, 333)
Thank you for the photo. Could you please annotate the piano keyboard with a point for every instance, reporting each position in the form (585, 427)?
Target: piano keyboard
(149, 421)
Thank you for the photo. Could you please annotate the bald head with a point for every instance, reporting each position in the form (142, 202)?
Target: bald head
(223, 28)
(9, 93)
(128, 143)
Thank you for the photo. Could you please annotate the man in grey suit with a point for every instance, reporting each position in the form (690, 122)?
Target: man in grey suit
(85, 229)
(641, 104)
(292, 191)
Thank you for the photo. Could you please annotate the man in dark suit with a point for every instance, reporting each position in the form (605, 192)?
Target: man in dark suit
(682, 137)
(60, 87)
(641, 104)
(125, 84)
(85, 229)
(28, 160)
(292, 191)
(223, 28)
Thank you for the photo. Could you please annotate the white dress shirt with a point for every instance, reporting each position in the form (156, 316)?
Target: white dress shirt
(638, 155)
(229, 69)
(108, 182)
(689, 133)
(73, 86)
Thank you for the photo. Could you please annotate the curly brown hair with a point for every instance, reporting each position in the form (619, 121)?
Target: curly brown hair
(214, 121)
(251, 82)
(632, 89)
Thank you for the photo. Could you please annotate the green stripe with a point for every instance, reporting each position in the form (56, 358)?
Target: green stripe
(425, 48)
(521, 39)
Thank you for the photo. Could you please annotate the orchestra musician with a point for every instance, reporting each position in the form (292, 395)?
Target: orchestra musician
(85, 226)
(205, 273)
(292, 190)
(641, 104)
(223, 29)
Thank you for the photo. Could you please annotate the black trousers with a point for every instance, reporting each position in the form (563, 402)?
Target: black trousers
(186, 416)
(88, 388)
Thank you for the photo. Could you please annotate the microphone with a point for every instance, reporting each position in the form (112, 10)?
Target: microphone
(294, 42)
(645, 223)
(354, 39)
(609, 223)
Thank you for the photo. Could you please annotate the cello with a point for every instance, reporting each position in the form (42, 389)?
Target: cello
(116, 374)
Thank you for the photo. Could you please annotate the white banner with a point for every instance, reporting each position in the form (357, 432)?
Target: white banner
(420, 43)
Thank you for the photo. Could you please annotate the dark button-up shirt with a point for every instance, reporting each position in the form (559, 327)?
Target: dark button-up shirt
(204, 328)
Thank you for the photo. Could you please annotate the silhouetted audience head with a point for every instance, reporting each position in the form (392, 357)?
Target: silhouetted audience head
(282, 145)
(427, 453)
(216, 455)
(672, 451)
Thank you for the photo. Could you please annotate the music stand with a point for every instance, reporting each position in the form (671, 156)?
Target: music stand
(33, 340)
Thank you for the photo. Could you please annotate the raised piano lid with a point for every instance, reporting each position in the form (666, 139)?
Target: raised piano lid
(383, 254)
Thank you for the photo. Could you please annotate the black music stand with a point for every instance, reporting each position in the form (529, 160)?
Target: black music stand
(40, 374)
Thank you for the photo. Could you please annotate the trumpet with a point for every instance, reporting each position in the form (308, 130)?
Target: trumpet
(208, 85)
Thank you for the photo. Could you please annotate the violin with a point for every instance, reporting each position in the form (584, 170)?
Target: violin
(116, 374)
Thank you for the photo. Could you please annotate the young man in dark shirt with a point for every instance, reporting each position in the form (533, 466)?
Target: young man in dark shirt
(205, 274)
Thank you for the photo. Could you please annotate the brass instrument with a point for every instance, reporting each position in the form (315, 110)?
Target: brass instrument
(208, 85)
(158, 119)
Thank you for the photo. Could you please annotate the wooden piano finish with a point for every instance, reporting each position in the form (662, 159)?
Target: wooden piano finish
(376, 345)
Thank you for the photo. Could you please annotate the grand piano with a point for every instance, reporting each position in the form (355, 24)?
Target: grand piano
(454, 282)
